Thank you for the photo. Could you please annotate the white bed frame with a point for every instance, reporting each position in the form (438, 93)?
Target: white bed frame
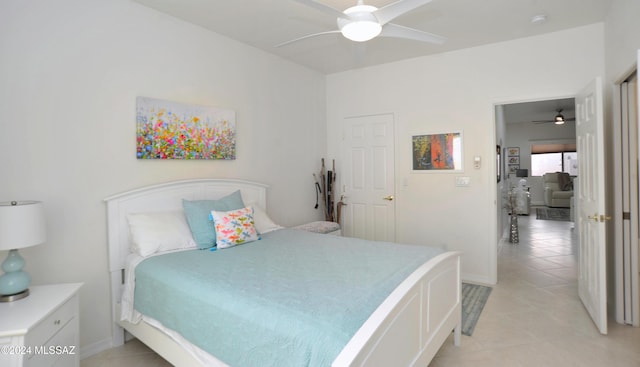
(407, 329)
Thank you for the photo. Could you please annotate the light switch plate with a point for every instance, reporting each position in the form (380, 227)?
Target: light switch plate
(476, 162)
(463, 181)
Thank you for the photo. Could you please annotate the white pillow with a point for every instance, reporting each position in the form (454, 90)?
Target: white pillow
(263, 223)
(159, 231)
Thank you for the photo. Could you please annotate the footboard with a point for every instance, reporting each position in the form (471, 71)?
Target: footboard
(411, 325)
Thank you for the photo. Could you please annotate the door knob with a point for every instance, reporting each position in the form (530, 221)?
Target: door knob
(604, 218)
(600, 218)
(389, 198)
(594, 217)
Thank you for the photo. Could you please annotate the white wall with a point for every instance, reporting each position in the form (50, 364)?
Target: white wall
(70, 71)
(622, 37)
(458, 91)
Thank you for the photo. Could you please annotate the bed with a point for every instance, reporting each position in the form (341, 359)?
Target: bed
(406, 328)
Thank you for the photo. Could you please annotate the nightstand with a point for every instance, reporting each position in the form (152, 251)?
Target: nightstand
(42, 329)
(322, 227)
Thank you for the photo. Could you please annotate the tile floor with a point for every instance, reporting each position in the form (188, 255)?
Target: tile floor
(131, 354)
(533, 316)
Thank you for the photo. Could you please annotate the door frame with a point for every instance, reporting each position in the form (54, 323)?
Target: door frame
(497, 141)
(498, 238)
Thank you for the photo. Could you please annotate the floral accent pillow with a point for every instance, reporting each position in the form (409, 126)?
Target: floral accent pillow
(234, 227)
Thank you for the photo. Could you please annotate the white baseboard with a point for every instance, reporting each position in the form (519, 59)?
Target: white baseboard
(476, 279)
(95, 348)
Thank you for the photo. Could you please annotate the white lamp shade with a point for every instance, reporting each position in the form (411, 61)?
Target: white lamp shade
(22, 224)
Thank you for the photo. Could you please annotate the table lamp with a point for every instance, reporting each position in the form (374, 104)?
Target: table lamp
(22, 225)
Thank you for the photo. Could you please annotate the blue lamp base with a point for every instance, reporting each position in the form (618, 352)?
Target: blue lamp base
(14, 284)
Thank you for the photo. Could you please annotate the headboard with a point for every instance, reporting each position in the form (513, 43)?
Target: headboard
(167, 196)
(162, 197)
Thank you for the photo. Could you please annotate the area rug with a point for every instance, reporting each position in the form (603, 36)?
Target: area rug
(560, 214)
(474, 297)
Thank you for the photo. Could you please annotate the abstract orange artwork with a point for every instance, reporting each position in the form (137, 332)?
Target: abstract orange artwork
(435, 152)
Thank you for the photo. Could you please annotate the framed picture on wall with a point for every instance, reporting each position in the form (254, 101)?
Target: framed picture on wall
(513, 168)
(513, 151)
(172, 130)
(513, 160)
(437, 152)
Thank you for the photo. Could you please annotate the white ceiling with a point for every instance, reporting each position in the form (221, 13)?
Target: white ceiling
(465, 23)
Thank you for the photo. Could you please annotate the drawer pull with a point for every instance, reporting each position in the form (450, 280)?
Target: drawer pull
(57, 322)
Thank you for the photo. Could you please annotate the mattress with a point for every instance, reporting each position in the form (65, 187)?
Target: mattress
(293, 298)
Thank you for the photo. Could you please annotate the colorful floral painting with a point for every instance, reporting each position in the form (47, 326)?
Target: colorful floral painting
(437, 152)
(170, 130)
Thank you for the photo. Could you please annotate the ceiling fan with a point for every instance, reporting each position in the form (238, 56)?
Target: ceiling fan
(362, 22)
(559, 119)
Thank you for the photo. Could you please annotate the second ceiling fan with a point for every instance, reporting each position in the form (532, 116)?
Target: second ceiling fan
(362, 22)
(559, 119)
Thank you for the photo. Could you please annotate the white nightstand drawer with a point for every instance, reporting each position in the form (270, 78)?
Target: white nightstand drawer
(62, 346)
(53, 323)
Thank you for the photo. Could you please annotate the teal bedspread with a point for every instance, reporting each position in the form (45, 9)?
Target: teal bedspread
(291, 299)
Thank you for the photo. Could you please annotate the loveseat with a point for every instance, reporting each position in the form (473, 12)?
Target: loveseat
(558, 189)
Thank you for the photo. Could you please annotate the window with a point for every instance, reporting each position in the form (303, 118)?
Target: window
(554, 158)
(570, 160)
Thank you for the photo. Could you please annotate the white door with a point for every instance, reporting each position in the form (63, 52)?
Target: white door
(368, 180)
(591, 203)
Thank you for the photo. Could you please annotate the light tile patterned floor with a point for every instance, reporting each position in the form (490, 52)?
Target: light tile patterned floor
(533, 317)
(131, 354)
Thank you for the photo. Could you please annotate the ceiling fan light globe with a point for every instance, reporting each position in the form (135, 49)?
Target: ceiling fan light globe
(361, 31)
(361, 24)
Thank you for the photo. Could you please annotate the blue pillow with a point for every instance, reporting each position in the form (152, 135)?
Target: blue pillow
(199, 211)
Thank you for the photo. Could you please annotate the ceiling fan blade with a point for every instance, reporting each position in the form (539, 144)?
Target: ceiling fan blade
(305, 37)
(322, 7)
(398, 31)
(389, 12)
(551, 121)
